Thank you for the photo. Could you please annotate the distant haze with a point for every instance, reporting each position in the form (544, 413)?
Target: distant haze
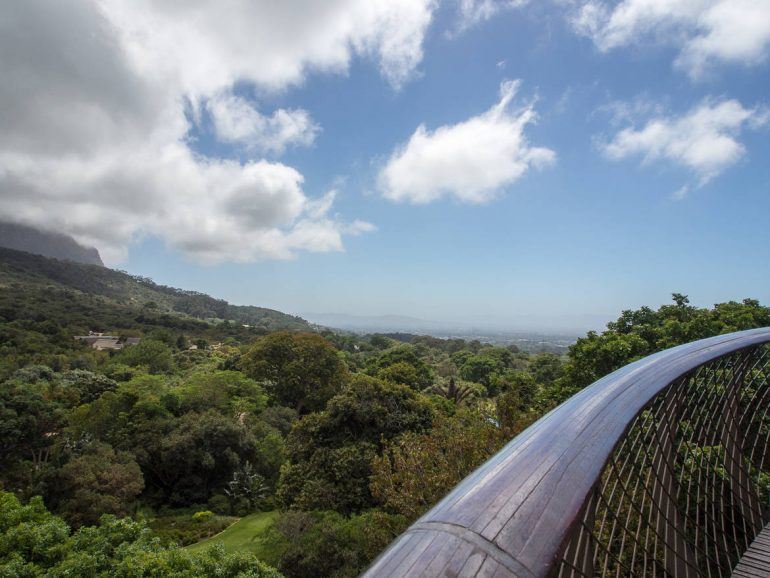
(572, 326)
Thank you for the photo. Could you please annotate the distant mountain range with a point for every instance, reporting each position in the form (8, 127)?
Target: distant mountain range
(55, 245)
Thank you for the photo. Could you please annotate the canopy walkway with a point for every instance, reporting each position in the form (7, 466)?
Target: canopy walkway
(660, 469)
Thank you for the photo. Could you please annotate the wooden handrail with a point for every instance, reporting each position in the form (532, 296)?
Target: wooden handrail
(515, 515)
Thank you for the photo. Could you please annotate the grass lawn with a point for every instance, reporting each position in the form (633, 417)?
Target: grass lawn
(243, 535)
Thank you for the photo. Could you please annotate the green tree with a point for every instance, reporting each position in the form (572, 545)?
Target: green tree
(403, 373)
(419, 468)
(407, 366)
(33, 542)
(99, 481)
(311, 544)
(196, 456)
(30, 426)
(545, 368)
(230, 392)
(454, 390)
(153, 354)
(638, 333)
(88, 385)
(479, 369)
(330, 452)
(246, 485)
(299, 370)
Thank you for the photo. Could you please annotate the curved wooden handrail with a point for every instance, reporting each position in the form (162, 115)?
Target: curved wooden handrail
(517, 510)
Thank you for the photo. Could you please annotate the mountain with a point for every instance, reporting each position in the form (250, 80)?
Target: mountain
(24, 273)
(55, 245)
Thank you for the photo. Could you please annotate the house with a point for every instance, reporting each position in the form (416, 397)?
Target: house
(92, 338)
(102, 342)
(107, 344)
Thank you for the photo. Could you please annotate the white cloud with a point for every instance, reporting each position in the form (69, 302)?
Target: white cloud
(94, 131)
(272, 44)
(706, 31)
(681, 193)
(704, 140)
(472, 161)
(237, 121)
(472, 12)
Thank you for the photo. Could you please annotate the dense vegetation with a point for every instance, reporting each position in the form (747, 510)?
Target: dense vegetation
(110, 462)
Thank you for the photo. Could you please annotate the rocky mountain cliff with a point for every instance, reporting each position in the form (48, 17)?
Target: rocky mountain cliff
(55, 245)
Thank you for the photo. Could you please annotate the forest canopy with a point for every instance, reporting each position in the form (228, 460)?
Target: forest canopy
(117, 460)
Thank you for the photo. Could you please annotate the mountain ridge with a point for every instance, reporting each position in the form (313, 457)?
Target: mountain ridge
(47, 244)
(21, 267)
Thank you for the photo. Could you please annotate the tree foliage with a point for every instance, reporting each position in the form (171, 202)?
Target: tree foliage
(330, 452)
(299, 370)
(34, 542)
(99, 481)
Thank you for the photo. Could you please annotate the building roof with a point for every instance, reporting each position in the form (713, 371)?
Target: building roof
(111, 343)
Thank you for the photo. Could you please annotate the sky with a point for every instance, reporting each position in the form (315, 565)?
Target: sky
(527, 163)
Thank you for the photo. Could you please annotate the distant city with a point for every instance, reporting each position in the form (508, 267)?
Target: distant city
(555, 341)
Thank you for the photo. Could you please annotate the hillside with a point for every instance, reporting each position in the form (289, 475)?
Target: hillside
(55, 245)
(120, 288)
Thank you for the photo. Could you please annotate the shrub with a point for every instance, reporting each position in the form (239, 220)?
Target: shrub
(204, 516)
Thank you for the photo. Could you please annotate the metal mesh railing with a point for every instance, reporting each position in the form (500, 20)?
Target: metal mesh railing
(688, 487)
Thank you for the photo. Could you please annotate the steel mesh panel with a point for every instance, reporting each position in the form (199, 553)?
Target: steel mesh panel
(688, 487)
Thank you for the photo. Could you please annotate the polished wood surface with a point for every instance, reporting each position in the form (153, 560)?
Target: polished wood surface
(755, 562)
(513, 516)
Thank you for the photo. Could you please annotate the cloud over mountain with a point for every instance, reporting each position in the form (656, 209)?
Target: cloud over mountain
(99, 98)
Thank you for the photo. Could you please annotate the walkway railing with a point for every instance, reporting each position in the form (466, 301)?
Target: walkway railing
(661, 468)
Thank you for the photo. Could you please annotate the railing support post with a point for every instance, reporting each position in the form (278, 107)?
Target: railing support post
(745, 499)
(678, 555)
(579, 555)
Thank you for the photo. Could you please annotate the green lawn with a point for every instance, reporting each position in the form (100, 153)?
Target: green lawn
(243, 535)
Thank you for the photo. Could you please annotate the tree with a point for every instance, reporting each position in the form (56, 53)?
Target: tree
(454, 391)
(247, 485)
(33, 542)
(89, 385)
(408, 366)
(299, 370)
(311, 544)
(196, 456)
(32, 538)
(330, 452)
(153, 354)
(99, 481)
(545, 368)
(638, 333)
(479, 369)
(230, 392)
(403, 373)
(419, 468)
(29, 424)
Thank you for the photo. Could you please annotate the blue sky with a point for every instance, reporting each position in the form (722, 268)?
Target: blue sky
(629, 161)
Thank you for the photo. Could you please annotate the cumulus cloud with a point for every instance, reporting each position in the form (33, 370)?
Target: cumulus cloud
(704, 140)
(237, 121)
(99, 97)
(706, 31)
(472, 161)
